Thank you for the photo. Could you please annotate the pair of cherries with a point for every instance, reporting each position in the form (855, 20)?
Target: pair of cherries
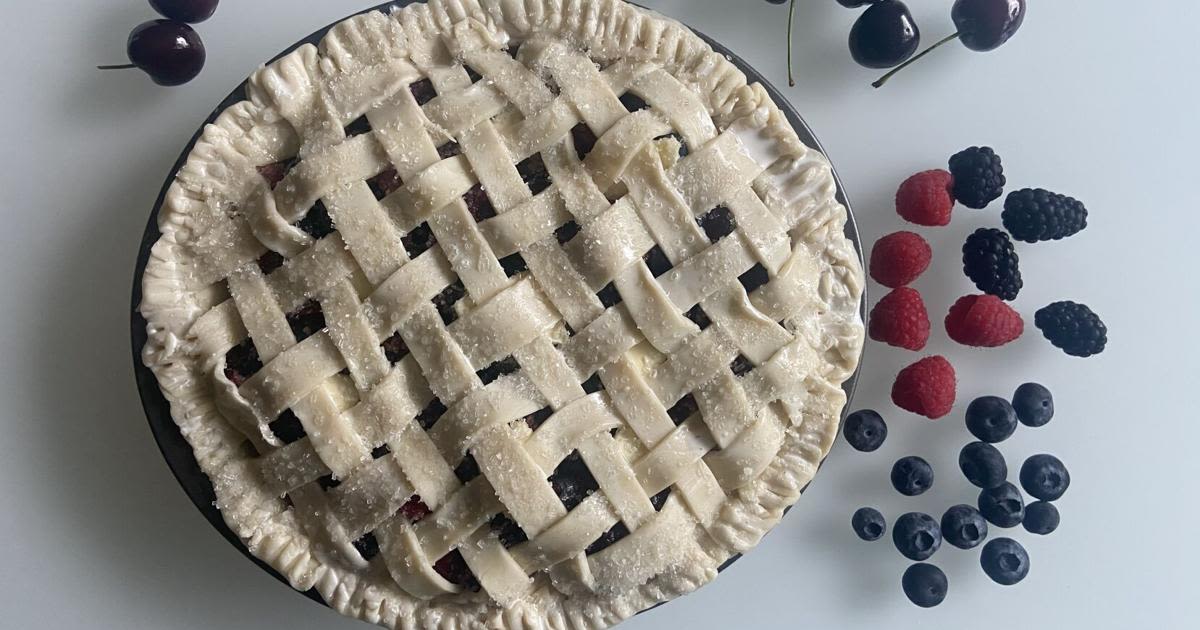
(169, 50)
(886, 36)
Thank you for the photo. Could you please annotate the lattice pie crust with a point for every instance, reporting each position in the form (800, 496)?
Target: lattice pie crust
(503, 313)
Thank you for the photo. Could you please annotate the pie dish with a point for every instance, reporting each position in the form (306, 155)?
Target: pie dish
(503, 314)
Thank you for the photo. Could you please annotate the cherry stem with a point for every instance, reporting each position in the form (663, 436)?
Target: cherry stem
(884, 78)
(791, 12)
(123, 66)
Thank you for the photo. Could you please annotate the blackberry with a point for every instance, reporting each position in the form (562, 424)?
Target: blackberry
(1034, 214)
(978, 177)
(991, 262)
(1072, 327)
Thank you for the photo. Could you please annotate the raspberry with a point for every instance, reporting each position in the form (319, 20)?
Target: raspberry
(900, 320)
(983, 321)
(926, 387)
(1033, 215)
(978, 176)
(1072, 327)
(990, 261)
(899, 258)
(925, 198)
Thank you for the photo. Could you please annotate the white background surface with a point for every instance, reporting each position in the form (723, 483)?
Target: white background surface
(1095, 99)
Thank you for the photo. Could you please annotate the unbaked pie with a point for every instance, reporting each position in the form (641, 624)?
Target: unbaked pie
(500, 313)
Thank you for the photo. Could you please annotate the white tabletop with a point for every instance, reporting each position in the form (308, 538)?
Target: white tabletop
(1094, 99)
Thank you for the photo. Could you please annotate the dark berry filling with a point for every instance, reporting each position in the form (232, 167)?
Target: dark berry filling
(394, 348)
(306, 320)
(584, 139)
(698, 317)
(423, 91)
(533, 173)
(414, 509)
(717, 223)
(385, 183)
(507, 365)
(682, 410)
(275, 171)
(241, 362)
(419, 240)
(478, 203)
(656, 260)
(454, 569)
(572, 481)
(317, 222)
(287, 427)
(446, 300)
(357, 127)
(754, 278)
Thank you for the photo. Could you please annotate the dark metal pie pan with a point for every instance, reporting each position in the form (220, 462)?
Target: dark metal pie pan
(171, 442)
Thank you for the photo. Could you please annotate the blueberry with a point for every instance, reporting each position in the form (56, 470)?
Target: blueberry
(991, 419)
(912, 475)
(865, 430)
(924, 584)
(1005, 561)
(1041, 517)
(916, 535)
(1003, 505)
(982, 465)
(868, 523)
(963, 526)
(852, 4)
(1034, 405)
(1045, 477)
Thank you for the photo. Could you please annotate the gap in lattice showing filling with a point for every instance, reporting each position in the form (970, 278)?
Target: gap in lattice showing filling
(418, 240)
(317, 222)
(422, 91)
(449, 150)
(357, 127)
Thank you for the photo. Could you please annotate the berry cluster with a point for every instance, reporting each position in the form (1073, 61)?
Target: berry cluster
(918, 536)
(975, 179)
(169, 50)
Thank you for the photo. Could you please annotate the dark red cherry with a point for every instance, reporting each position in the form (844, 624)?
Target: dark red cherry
(884, 35)
(185, 10)
(169, 51)
(984, 25)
